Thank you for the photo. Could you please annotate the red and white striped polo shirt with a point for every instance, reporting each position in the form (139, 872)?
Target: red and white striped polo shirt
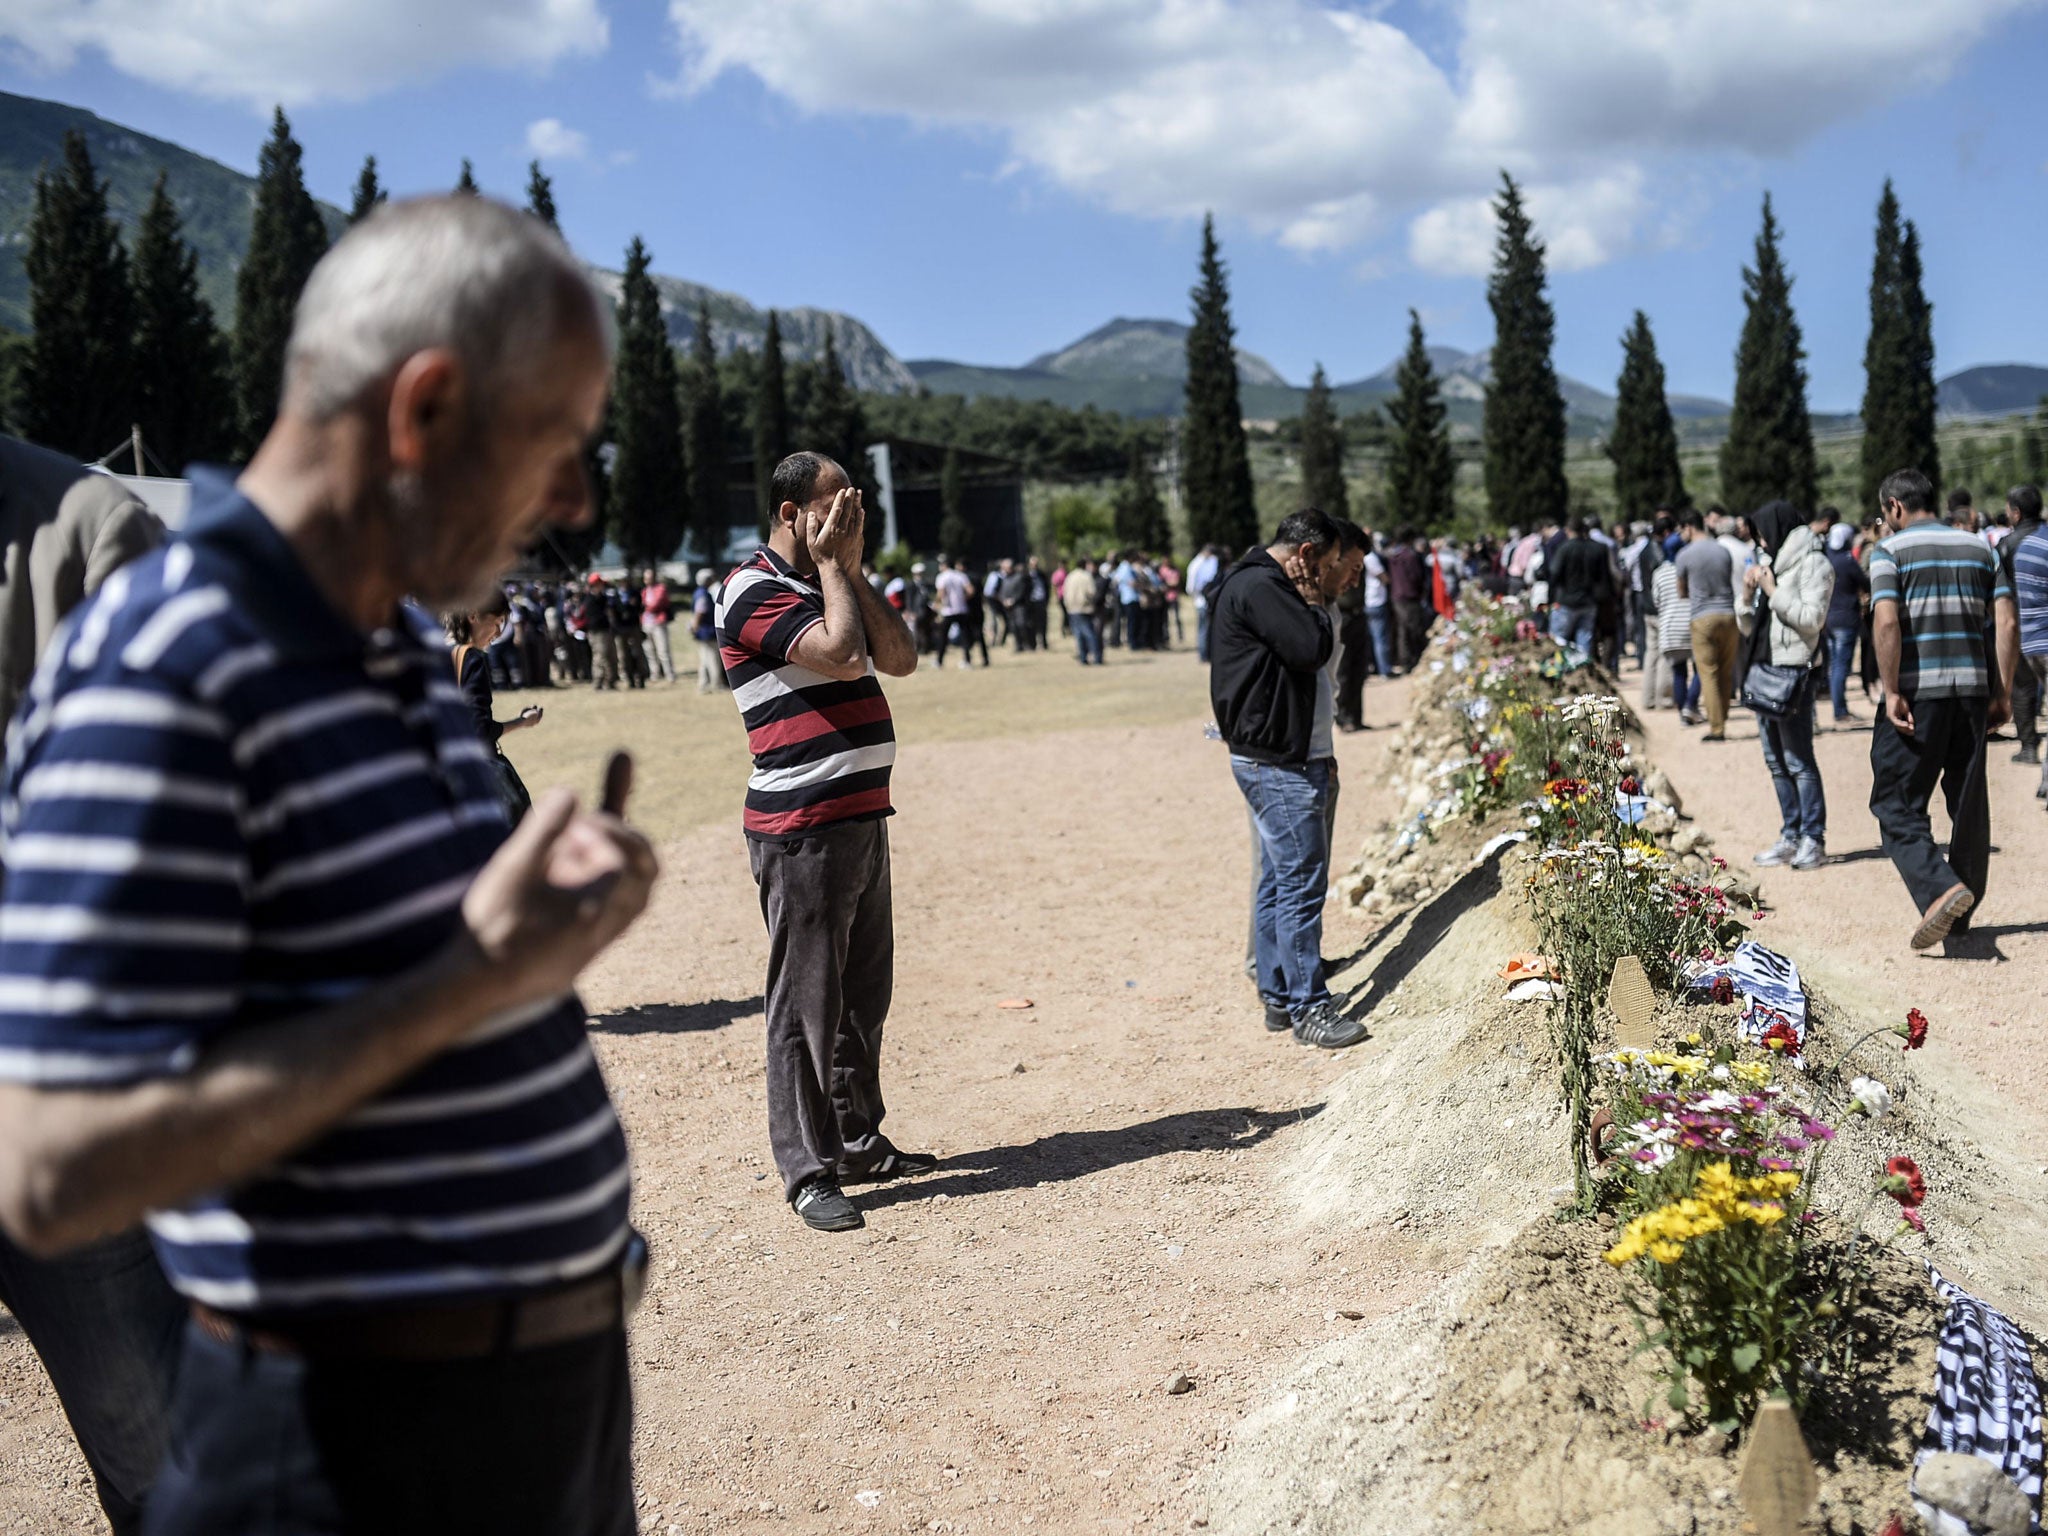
(822, 748)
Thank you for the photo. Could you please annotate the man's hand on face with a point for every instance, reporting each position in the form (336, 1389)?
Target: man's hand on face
(1306, 576)
(833, 534)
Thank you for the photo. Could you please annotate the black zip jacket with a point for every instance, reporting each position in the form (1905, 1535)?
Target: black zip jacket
(1265, 645)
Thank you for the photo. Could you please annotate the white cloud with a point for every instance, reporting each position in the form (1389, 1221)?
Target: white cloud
(1327, 125)
(261, 51)
(553, 139)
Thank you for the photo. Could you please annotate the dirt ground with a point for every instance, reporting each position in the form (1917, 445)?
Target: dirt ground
(991, 1353)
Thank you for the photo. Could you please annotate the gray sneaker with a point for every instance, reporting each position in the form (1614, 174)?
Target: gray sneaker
(1325, 1026)
(1811, 854)
(1780, 852)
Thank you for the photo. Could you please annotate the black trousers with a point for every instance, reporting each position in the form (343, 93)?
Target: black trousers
(1411, 633)
(535, 1442)
(1351, 669)
(831, 970)
(1947, 748)
(2026, 702)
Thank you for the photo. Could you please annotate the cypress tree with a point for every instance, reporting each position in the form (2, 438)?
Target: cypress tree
(77, 381)
(956, 534)
(286, 240)
(540, 196)
(1644, 443)
(1216, 472)
(648, 481)
(1322, 450)
(369, 192)
(1922, 448)
(1769, 449)
(706, 441)
(185, 403)
(1421, 474)
(1525, 416)
(1886, 367)
(466, 182)
(770, 416)
(1138, 514)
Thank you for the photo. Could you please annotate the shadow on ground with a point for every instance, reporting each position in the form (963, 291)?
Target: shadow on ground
(1426, 928)
(676, 1018)
(1066, 1155)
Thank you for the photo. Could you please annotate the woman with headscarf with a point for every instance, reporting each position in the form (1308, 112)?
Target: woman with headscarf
(1845, 613)
(1783, 610)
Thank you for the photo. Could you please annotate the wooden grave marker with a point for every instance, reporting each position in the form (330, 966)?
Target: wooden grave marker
(1778, 1485)
(1634, 1002)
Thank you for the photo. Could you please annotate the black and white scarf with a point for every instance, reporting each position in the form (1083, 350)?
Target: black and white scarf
(1987, 1402)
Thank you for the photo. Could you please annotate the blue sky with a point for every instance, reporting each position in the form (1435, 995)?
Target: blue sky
(989, 179)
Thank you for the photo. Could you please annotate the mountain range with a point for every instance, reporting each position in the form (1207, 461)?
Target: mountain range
(1133, 366)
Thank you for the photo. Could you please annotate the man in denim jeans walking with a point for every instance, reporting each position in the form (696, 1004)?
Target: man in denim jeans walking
(1270, 637)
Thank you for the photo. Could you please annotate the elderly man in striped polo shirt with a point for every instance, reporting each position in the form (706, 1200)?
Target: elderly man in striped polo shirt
(803, 635)
(275, 971)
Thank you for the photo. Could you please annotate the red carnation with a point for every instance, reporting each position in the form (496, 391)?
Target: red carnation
(1903, 1181)
(1781, 1037)
(1914, 1029)
(1724, 990)
(1631, 785)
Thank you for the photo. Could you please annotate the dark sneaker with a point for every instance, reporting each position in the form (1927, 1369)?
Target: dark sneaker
(1943, 914)
(1278, 1020)
(1323, 1025)
(892, 1164)
(2028, 755)
(825, 1208)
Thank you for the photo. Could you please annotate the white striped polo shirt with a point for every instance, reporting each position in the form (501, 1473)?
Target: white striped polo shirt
(823, 749)
(224, 809)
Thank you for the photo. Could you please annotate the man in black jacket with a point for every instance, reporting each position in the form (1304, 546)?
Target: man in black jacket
(1270, 636)
(1580, 581)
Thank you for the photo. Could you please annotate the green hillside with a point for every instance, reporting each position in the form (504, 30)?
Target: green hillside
(214, 200)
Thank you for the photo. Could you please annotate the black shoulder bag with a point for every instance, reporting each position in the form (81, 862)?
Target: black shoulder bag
(1767, 688)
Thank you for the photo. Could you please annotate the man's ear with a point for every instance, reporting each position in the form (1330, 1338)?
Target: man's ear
(424, 406)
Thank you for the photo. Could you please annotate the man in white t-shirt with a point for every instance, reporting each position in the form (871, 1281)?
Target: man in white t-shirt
(1379, 621)
(956, 603)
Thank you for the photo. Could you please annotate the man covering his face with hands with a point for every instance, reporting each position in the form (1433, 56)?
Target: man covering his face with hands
(803, 636)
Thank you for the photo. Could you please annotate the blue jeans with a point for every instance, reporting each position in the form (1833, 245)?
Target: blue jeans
(1575, 626)
(1087, 638)
(1841, 651)
(1795, 775)
(1685, 681)
(107, 1326)
(1380, 623)
(1287, 801)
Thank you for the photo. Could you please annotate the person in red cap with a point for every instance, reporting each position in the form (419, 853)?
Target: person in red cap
(604, 641)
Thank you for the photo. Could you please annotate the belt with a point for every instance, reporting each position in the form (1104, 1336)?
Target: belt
(462, 1331)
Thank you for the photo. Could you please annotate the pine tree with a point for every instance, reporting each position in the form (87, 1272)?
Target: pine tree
(1138, 514)
(834, 423)
(648, 481)
(1644, 443)
(770, 416)
(1768, 453)
(369, 192)
(286, 240)
(1216, 472)
(1898, 359)
(1421, 474)
(466, 182)
(1322, 450)
(540, 196)
(956, 534)
(708, 511)
(1525, 416)
(184, 400)
(77, 382)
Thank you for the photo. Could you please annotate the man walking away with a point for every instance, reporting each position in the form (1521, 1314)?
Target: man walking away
(1845, 616)
(310, 1004)
(1579, 584)
(104, 1322)
(956, 609)
(1934, 592)
(1706, 580)
(804, 637)
(1408, 592)
(1015, 593)
(2023, 519)
(1081, 593)
(1270, 639)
